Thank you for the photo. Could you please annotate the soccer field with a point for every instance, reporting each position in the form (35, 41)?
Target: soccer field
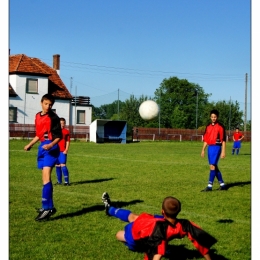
(137, 176)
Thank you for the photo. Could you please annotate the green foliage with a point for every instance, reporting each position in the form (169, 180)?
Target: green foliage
(180, 101)
(182, 105)
(137, 176)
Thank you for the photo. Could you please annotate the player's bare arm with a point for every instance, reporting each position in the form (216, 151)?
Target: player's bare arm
(30, 145)
(50, 145)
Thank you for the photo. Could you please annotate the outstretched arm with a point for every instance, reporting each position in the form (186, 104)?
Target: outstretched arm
(207, 257)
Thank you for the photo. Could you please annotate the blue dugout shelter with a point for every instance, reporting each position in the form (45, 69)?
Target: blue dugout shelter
(105, 130)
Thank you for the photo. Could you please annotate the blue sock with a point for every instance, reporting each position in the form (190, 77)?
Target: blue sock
(122, 214)
(237, 151)
(212, 175)
(65, 173)
(59, 174)
(47, 191)
(219, 177)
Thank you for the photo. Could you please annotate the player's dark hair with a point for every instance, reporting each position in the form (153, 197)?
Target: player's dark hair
(171, 207)
(48, 97)
(62, 119)
(215, 112)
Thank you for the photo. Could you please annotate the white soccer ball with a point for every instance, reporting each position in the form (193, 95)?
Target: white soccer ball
(148, 110)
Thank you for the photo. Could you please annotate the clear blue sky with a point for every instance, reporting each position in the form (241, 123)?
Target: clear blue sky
(133, 45)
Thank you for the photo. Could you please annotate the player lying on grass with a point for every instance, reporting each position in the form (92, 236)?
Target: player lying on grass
(151, 233)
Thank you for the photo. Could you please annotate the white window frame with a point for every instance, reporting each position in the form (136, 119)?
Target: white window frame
(81, 116)
(32, 86)
(13, 114)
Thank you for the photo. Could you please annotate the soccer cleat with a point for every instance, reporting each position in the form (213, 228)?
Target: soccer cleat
(44, 214)
(106, 200)
(58, 183)
(66, 184)
(207, 189)
(223, 187)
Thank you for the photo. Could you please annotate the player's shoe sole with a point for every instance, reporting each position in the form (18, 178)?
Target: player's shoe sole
(44, 214)
(106, 200)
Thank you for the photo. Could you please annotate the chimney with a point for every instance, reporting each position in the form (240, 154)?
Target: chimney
(56, 63)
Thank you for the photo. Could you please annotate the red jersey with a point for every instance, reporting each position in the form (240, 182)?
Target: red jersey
(153, 234)
(65, 138)
(47, 126)
(237, 136)
(214, 134)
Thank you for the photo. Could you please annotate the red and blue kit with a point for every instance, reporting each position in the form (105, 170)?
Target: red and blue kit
(47, 129)
(64, 140)
(214, 134)
(62, 145)
(150, 234)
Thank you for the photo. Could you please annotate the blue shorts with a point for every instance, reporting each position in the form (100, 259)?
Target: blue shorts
(62, 159)
(237, 145)
(47, 158)
(130, 243)
(214, 152)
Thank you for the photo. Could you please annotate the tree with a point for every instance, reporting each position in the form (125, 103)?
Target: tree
(107, 111)
(229, 114)
(180, 103)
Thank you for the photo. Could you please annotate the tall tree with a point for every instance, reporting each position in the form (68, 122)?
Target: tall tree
(180, 103)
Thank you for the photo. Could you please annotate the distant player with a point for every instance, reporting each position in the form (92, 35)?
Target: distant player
(215, 138)
(64, 145)
(151, 233)
(237, 138)
(48, 132)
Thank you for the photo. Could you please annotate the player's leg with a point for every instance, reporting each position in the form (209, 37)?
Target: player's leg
(127, 237)
(238, 147)
(58, 171)
(213, 155)
(222, 185)
(122, 214)
(233, 149)
(47, 161)
(64, 169)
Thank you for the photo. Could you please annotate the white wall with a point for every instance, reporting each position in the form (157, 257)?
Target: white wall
(30, 104)
(27, 104)
(63, 109)
(88, 115)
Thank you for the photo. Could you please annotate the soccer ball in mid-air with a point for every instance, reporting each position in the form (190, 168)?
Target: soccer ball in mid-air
(148, 110)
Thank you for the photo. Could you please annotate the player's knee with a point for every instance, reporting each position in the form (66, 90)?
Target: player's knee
(120, 235)
(212, 167)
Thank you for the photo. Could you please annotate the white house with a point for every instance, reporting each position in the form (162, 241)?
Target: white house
(30, 79)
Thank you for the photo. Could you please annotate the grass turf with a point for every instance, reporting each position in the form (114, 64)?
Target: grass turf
(137, 176)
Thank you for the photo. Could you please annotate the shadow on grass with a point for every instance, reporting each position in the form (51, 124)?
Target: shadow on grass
(180, 252)
(90, 181)
(94, 208)
(240, 184)
(225, 221)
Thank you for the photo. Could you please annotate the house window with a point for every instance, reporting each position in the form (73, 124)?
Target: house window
(80, 116)
(12, 114)
(32, 86)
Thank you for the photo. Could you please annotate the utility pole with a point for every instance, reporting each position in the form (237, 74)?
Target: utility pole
(118, 104)
(245, 120)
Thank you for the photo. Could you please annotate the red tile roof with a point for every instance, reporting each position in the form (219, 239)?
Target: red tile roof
(22, 64)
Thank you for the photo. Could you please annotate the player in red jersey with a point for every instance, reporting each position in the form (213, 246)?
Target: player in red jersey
(237, 138)
(64, 145)
(151, 233)
(215, 138)
(48, 132)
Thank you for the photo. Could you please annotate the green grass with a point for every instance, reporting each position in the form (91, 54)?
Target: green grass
(137, 176)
